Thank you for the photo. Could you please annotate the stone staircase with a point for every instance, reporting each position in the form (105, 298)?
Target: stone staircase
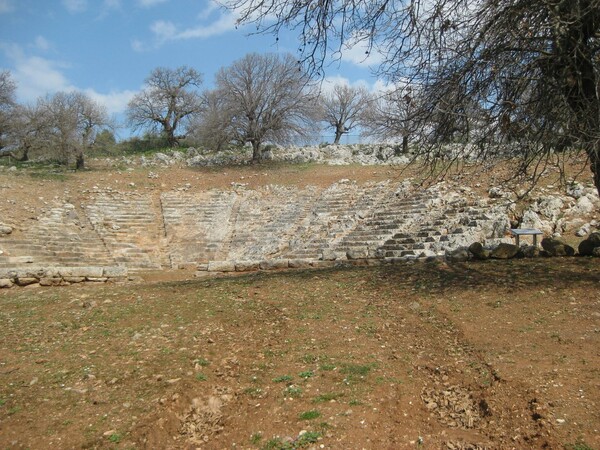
(129, 226)
(276, 223)
(62, 236)
(196, 225)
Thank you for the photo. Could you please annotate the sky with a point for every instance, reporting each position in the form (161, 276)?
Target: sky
(106, 48)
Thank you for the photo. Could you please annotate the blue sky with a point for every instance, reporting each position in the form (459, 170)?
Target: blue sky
(106, 48)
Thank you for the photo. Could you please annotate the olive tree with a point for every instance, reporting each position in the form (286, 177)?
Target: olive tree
(68, 123)
(527, 69)
(387, 116)
(212, 128)
(169, 100)
(7, 104)
(267, 98)
(342, 108)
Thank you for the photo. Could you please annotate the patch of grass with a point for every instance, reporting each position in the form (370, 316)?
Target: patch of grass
(200, 376)
(327, 367)
(323, 398)
(2, 402)
(579, 445)
(202, 362)
(283, 379)
(293, 391)
(115, 438)
(309, 415)
(256, 438)
(253, 392)
(277, 443)
(310, 437)
(309, 359)
(306, 374)
(354, 371)
(355, 402)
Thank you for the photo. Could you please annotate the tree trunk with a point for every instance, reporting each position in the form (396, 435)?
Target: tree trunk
(339, 131)
(405, 143)
(79, 161)
(256, 152)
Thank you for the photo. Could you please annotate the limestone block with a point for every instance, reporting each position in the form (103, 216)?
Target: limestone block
(202, 267)
(94, 272)
(555, 247)
(8, 273)
(477, 249)
(358, 253)
(246, 266)
(5, 283)
(461, 254)
(273, 264)
(49, 281)
(299, 263)
(5, 229)
(221, 266)
(318, 264)
(505, 251)
(32, 272)
(74, 279)
(26, 281)
(114, 272)
(96, 279)
(328, 255)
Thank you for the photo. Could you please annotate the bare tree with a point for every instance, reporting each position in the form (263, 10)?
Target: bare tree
(167, 102)
(267, 98)
(70, 122)
(212, 128)
(387, 116)
(528, 69)
(28, 131)
(342, 108)
(7, 104)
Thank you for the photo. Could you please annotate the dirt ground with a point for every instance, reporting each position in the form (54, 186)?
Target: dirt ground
(491, 355)
(481, 355)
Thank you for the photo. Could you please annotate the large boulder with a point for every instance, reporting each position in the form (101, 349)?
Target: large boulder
(587, 246)
(5, 229)
(505, 251)
(556, 247)
(460, 254)
(479, 251)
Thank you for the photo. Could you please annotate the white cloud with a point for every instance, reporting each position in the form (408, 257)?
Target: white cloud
(115, 101)
(330, 81)
(6, 6)
(164, 30)
(112, 4)
(167, 31)
(358, 52)
(150, 3)
(75, 6)
(37, 77)
(41, 43)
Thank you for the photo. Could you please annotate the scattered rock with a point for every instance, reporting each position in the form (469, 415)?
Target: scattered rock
(461, 254)
(504, 251)
(479, 251)
(555, 247)
(5, 229)
(6, 283)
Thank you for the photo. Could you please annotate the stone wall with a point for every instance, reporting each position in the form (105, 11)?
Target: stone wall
(60, 276)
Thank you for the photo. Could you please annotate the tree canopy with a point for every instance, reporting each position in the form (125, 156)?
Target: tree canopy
(266, 98)
(526, 70)
(168, 101)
